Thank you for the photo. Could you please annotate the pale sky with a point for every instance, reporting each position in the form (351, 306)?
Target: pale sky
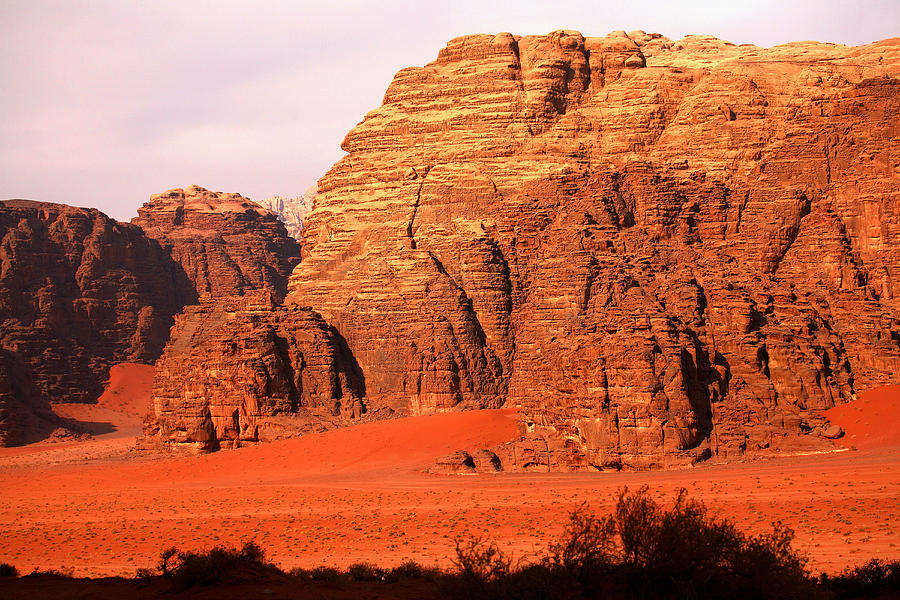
(105, 102)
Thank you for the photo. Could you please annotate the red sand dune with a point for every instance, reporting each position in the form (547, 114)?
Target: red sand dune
(368, 450)
(118, 412)
(361, 493)
(128, 390)
(871, 421)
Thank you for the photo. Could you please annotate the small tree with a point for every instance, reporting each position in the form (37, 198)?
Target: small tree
(588, 544)
(481, 560)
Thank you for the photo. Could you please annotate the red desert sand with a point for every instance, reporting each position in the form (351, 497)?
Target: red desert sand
(362, 494)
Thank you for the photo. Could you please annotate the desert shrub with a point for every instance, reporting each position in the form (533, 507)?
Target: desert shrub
(168, 560)
(218, 565)
(410, 569)
(253, 553)
(481, 569)
(363, 571)
(643, 550)
(300, 573)
(63, 572)
(587, 545)
(330, 574)
(538, 581)
(484, 572)
(875, 579)
(481, 560)
(7, 570)
(682, 552)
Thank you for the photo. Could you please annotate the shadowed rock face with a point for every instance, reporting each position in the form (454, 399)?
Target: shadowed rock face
(225, 243)
(78, 292)
(660, 251)
(21, 417)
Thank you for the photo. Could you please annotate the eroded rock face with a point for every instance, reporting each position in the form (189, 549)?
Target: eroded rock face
(292, 211)
(660, 251)
(78, 293)
(225, 243)
(242, 369)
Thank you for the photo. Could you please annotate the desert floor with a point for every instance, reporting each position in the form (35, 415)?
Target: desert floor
(98, 508)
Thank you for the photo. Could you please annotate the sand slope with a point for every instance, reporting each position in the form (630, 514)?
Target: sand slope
(368, 450)
(118, 412)
(872, 421)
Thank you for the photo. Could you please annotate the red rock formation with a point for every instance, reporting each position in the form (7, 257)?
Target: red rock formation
(242, 369)
(78, 292)
(225, 243)
(660, 251)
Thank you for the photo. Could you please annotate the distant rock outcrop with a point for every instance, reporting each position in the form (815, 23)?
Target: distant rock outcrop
(660, 251)
(292, 211)
(225, 243)
(78, 293)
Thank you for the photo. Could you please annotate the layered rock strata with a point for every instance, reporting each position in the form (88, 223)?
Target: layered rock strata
(225, 243)
(660, 251)
(78, 292)
(242, 369)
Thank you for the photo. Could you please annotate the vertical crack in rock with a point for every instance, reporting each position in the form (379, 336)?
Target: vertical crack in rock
(415, 209)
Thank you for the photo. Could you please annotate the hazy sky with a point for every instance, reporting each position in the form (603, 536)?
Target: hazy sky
(105, 102)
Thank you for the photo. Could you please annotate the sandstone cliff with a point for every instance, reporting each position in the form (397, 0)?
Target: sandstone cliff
(78, 292)
(660, 251)
(225, 243)
(292, 211)
(242, 369)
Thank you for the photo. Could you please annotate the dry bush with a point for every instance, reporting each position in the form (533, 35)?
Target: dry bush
(587, 545)
(644, 551)
(218, 565)
(875, 579)
(410, 569)
(682, 552)
(481, 560)
(321, 573)
(363, 571)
